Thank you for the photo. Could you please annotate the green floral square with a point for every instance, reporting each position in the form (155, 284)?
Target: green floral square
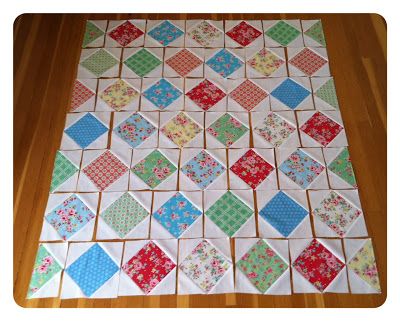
(227, 129)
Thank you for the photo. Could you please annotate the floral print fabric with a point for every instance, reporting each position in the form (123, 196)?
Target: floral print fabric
(184, 62)
(205, 266)
(181, 129)
(308, 62)
(135, 130)
(118, 95)
(318, 265)
(244, 34)
(262, 266)
(125, 33)
(227, 129)
(162, 94)
(44, 269)
(252, 168)
(165, 33)
(224, 63)
(342, 167)
(337, 213)
(148, 267)
(154, 169)
(204, 33)
(274, 129)
(248, 95)
(205, 94)
(265, 62)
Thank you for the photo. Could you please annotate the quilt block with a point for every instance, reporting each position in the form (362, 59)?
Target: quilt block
(307, 61)
(224, 63)
(204, 33)
(313, 33)
(100, 62)
(142, 62)
(205, 94)
(94, 33)
(184, 62)
(65, 171)
(265, 62)
(165, 33)
(160, 94)
(282, 33)
(241, 33)
(125, 33)
(248, 95)
(83, 95)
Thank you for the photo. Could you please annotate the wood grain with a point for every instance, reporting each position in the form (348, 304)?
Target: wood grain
(46, 53)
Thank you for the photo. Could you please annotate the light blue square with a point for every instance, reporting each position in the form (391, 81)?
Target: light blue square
(165, 33)
(290, 93)
(134, 130)
(224, 63)
(162, 93)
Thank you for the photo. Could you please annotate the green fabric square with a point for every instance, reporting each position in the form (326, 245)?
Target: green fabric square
(283, 33)
(327, 92)
(99, 62)
(229, 213)
(142, 62)
(92, 32)
(63, 170)
(227, 129)
(342, 167)
(315, 32)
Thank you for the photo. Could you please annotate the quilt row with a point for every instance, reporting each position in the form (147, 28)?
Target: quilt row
(203, 94)
(257, 62)
(204, 266)
(203, 33)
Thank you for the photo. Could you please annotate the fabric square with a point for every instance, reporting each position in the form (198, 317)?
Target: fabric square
(318, 265)
(44, 269)
(162, 93)
(283, 33)
(274, 129)
(343, 168)
(283, 213)
(181, 129)
(316, 33)
(148, 267)
(165, 33)
(70, 217)
(80, 95)
(224, 63)
(154, 169)
(205, 94)
(92, 32)
(86, 130)
(265, 62)
(62, 171)
(227, 129)
(243, 33)
(105, 170)
(262, 266)
(203, 169)
(321, 128)
(290, 93)
(92, 270)
(204, 33)
(142, 62)
(308, 61)
(118, 95)
(184, 62)
(252, 168)
(337, 213)
(205, 266)
(125, 33)
(327, 92)
(248, 95)
(301, 168)
(135, 130)
(124, 214)
(364, 265)
(177, 214)
(99, 62)
(229, 213)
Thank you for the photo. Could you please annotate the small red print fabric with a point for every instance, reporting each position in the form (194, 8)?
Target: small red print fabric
(308, 61)
(244, 34)
(183, 62)
(206, 94)
(148, 267)
(321, 128)
(248, 95)
(252, 168)
(125, 33)
(80, 95)
(318, 265)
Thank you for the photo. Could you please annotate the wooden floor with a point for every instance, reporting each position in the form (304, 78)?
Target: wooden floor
(46, 53)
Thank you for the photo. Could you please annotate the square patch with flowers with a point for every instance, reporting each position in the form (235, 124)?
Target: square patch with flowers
(125, 33)
(342, 167)
(118, 95)
(224, 63)
(205, 94)
(265, 62)
(227, 129)
(165, 33)
(162, 93)
(135, 130)
(243, 33)
(274, 129)
(148, 267)
(204, 33)
(308, 61)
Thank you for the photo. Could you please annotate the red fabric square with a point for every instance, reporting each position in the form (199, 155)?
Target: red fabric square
(318, 265)
(80, 95)
(252, 168)
(248, 95)
(148, 267)
(308, 61)
(206, 94)
(105, 170)
(321, 128)
(125, 33)
(183, 62)
(243, 33)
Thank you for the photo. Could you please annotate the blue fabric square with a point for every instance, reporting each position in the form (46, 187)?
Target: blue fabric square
(224, 63)
(177, 214)
(86, 130)
(283, 213)
(135, 130)
(92, 269)
(162, 93)
(165, 33)
(290, 93)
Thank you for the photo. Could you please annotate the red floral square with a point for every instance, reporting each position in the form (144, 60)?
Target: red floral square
(80, 95)
(105, 170)
(183, 62)
(148, 267)
(206, 94)
(252, 168)
(318, 265)
(308, 61)
(248, 95)
(125, 33)
(243, 33)
(321, 128)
